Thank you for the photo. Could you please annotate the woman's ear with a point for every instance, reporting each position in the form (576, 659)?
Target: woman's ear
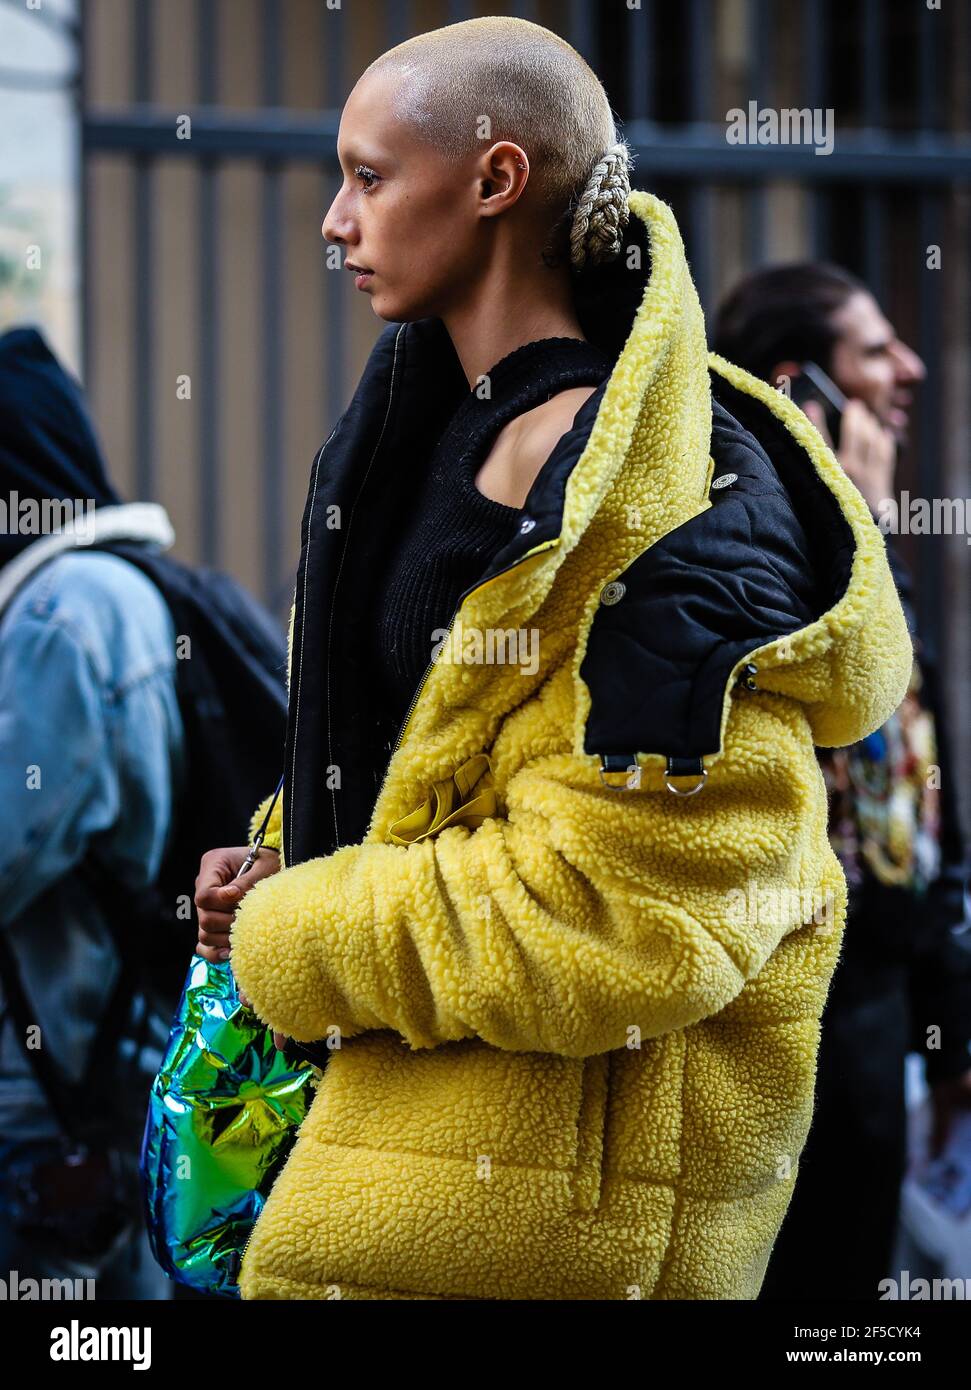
(505, 173)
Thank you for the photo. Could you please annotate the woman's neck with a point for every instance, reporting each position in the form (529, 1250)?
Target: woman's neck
(506, 310)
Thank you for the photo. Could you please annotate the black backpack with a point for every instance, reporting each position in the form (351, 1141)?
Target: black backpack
(233, 702)
(231, 688)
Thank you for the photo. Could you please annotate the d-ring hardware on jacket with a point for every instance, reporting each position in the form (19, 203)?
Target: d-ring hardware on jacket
(626, 763)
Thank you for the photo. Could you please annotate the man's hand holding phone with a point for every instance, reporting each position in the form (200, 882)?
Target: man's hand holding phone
(867, 450)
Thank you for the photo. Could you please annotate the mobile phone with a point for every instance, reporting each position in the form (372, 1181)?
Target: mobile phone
(813, 384)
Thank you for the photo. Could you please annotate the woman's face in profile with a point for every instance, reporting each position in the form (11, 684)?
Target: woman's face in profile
(403, 213)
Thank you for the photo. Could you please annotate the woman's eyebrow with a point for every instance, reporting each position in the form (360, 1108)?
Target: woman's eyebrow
(353, 156)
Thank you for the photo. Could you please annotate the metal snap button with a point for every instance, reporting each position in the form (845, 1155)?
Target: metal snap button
(526, 524)
(725, 480)
(745, 676)
(613, 592)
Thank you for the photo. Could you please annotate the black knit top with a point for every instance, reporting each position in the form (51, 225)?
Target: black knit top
(452, 530)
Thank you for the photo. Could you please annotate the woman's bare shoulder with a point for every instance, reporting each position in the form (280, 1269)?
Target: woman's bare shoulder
(523, 446)
(547, 423)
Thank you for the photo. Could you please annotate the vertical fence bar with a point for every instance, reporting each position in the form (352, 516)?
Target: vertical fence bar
(874, 222)
(398, 22)
(273, 341)
(208, 398)
(144, 267)
(928, 96)
(699, 111)
(582, 30)
(760, 90)
(335, 294)
(929, 472)
(929, 476)
(640, 62)
(815, 46)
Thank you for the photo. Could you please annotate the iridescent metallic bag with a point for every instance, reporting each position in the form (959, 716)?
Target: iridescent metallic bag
(222, 1118)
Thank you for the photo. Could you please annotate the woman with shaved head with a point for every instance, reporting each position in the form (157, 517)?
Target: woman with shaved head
(548, 897)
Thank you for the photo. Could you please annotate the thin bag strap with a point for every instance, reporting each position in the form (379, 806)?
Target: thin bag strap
(250, 859)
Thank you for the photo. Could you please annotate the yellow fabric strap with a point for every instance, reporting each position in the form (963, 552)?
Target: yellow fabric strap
(468, 797)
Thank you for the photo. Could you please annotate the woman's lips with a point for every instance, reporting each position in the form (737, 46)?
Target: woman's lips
(361, 273)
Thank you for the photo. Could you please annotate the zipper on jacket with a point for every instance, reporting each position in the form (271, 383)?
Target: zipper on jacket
(242, 1255)
(295, 662)
(333, 601)
(536, 550)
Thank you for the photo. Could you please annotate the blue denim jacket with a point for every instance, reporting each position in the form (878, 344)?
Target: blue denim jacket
(91, 758)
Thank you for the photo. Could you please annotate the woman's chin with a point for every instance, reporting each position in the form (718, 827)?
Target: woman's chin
(385, 308)
(382, 305)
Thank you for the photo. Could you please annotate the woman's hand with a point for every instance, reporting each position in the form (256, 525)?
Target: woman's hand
(219, 893)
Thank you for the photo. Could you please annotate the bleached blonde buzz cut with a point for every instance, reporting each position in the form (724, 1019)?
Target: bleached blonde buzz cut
(535, 89)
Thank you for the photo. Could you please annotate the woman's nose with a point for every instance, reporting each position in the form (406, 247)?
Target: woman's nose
(335, 227)
(328, 228)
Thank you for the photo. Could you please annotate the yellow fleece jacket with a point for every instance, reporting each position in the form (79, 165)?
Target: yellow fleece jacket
(565, 1064)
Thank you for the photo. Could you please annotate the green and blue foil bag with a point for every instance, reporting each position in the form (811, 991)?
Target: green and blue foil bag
(223, 1115)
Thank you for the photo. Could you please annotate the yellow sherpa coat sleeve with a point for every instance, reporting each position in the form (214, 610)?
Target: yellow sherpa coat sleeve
(558, 926)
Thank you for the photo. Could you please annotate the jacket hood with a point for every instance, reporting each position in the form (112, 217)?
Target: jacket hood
(716, 529)
(48, 446)
(693, 520)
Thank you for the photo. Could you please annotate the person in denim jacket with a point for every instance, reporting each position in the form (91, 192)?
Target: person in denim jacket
(91, 763)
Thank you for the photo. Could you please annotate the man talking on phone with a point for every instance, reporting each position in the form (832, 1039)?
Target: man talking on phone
(816, 332)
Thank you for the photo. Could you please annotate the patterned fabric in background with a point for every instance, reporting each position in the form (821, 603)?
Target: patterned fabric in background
(884, 803)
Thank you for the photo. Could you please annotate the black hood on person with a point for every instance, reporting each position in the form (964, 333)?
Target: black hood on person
(48, 446)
